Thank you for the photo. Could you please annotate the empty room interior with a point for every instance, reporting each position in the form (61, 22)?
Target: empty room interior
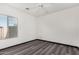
(39, 28)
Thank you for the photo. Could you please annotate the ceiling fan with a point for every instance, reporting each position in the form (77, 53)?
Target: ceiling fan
(38, 6)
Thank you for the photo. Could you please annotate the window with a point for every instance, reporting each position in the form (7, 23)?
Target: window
(8, 27)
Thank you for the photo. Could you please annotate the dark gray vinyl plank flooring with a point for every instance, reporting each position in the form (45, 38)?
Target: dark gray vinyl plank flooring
(40, 47)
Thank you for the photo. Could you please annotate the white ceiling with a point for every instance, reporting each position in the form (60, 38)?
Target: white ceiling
(36, 10)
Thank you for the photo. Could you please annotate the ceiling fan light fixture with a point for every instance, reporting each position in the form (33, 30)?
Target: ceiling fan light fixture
(41, 5)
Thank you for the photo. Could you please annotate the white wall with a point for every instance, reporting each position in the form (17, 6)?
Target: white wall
(26, 26)
(62, 27)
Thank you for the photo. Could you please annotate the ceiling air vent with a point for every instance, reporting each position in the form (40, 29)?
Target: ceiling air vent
(27, 8)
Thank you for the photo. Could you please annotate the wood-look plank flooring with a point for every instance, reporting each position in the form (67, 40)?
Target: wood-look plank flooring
(40, 47)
